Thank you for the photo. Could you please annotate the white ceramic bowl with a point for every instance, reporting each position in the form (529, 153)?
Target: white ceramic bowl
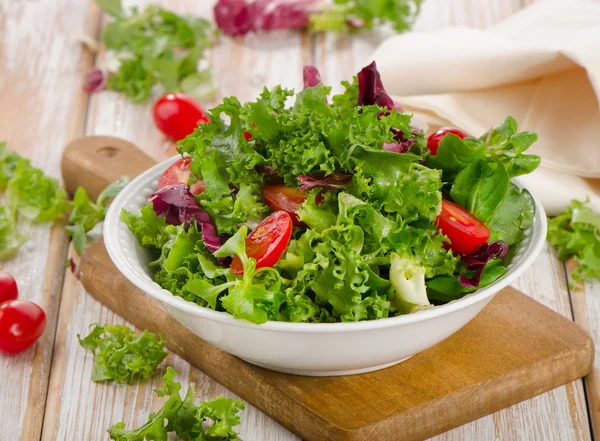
(321, 349)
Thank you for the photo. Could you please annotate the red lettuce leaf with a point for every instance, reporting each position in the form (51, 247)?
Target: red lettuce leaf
(334, 180)
(178, 206)
(370, 88)
(477, 261)
(402, 144)
(311, 76)
(238, 17)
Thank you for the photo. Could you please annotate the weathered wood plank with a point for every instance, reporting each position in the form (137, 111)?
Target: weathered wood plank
(42, 108)
(585, 299)
(77, 407)
(557, 415)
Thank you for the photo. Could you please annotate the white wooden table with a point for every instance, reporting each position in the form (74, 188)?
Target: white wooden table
(46, 392)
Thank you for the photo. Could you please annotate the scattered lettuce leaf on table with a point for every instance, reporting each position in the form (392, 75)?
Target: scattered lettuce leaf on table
(153, 46)
(576, 233)
(212, 420)
(85, 214)
(121, 354)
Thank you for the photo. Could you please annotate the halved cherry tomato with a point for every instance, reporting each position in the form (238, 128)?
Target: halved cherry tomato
(282, 198)
(179, 173)
(433, 142)
(267, 242)
(8, 287)
(177, 115)
(465, 231)
(21, 324)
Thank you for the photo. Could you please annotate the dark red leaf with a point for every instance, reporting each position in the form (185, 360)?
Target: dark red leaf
(477, 261)
(334, 180)
(178, 206)
(402, 144)
(311, 76)
(238, 17)
(95, 80)
(370, 88)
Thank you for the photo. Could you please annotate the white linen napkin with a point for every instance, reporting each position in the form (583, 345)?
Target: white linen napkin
(541, 66)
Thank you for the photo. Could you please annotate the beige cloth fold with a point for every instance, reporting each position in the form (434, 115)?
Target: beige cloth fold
(541, 66)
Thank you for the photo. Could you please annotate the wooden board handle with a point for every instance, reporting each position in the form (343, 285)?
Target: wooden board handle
(95, 161)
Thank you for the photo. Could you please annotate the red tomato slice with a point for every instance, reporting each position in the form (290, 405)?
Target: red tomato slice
(177, 115)
(282, 198)
(8, 287)
(465, 231)
(433, 142)
(21, 324)
(267, 242)
(179, 173)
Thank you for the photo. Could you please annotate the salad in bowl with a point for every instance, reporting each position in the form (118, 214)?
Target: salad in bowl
(325, 209)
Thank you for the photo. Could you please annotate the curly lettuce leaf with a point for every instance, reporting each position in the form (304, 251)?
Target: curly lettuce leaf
(10, 238)
(149, 229)
(155, 46)
(356, 15)
(212, 420)
(34, 195)
(122, 355)
(85, 214)
(8, 164)
(575, 233)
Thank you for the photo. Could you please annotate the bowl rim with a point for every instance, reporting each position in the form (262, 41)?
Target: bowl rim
(112, 238)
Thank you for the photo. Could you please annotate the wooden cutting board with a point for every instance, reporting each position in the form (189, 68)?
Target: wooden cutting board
(514, 349)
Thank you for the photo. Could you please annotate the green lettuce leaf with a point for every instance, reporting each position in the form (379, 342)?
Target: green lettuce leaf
(575, 233)
(367, 13)
(155, 46)
(8, 164)
(10, 239)
(121, 354)
(34, 195)
(149, 229)
(85, 214)
(212, 420)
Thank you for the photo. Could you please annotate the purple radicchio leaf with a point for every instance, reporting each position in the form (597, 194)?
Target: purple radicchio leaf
(95, 80)
(402, 144)
(238, 17)
(370, 88)
(311, 76)
(334, 180)
(178, 206)
(266, 170)
(477, 261)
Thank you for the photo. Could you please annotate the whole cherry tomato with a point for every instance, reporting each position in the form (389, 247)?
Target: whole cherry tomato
(177, 115)
(267, 242)
(465, 231)
(433, 142)
(8, 287)
(21, 324)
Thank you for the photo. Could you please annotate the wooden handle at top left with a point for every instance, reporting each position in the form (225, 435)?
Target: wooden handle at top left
(93, 162)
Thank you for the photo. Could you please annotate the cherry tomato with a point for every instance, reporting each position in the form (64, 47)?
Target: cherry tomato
(267, 242)
(464, 230)
(282, 198)
(179, 173)
(433, 142)
(21, 324)
(8, 287)
(177, 115)
(248, 135)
